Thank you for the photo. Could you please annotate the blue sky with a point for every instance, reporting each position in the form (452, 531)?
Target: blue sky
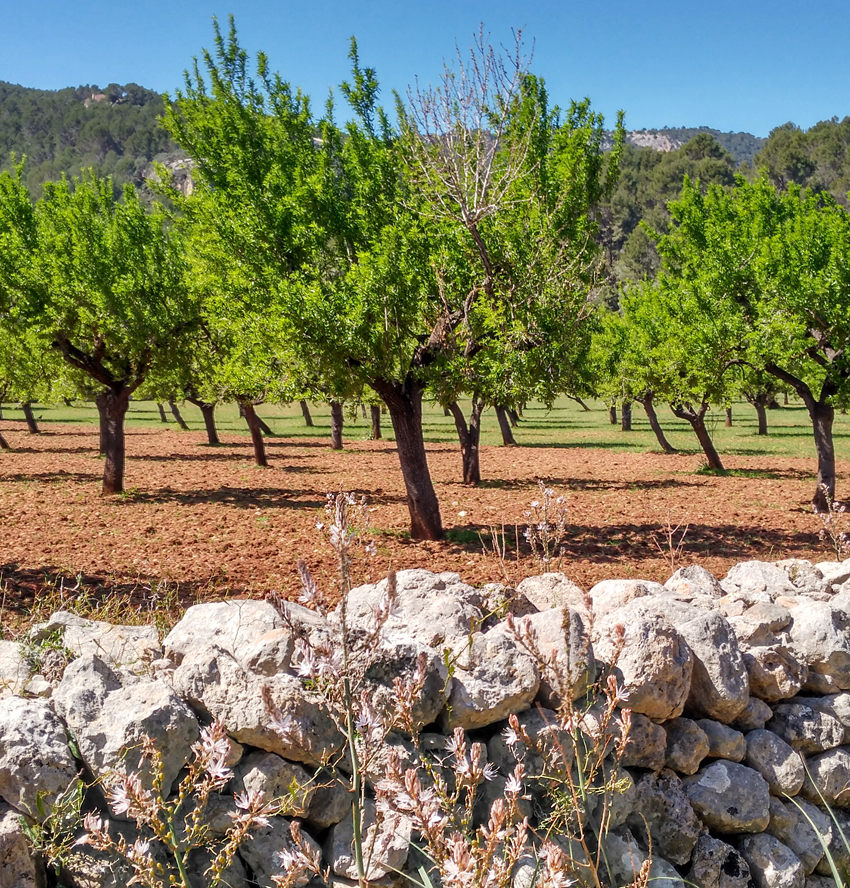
(733, 66)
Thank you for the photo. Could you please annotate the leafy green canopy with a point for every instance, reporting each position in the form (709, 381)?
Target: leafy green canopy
(100, 281)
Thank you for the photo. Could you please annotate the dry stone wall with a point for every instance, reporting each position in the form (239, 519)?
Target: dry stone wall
(739, 690)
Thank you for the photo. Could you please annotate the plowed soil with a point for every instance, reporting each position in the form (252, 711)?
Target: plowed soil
(200, 522)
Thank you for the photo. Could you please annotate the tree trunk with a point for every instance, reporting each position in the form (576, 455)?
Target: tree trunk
(32, 425)
(112, 405)
(626, 416)
(363, 410)
(264, 426)
(208, 413)
(4, 444)
(505, 425)
(254, 426)
(404, 402)
(612, 414)
(469, 436)
(579, 401)
(697, 420)
(178, 416)
(785, 398)
(305, 412)
(162, 416)
(655, 425)
(513, 416)
(823, 416)
(728, 417)
(761, 413)
(376, 422)
(337, 421)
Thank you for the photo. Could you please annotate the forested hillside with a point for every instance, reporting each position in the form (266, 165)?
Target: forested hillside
(114, 129)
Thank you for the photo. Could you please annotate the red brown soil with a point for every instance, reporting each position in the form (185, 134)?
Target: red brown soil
(210, 523)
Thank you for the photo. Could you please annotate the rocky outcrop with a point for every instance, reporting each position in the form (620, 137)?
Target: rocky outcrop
(738, 691)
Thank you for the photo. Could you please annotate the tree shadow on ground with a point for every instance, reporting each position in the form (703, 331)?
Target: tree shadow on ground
(53, 477)
(618, 542)
(250, 497)
(530, 485)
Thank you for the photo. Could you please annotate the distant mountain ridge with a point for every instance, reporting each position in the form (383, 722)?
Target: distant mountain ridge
(742, 146)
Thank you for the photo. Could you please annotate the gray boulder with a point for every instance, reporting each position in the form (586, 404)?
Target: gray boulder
(661, 806)
(611, 595)
(260, 852)
(687, 745)
(729, 798)
(646, 744)
(797, 825)
(692, 582)
(18, 867)
(109, 720)
(821, 636)
(213, 683)
(561, 637)
(835, 705)
(806, 578)
(278, 779)
(839, 838)
(432, 608)
(494, 678)
(806, 729)
(723, 742)
(776, 761)
(774, 672)
(386, 842)
(115, 645)
(772, 864)
(757, 581)
(828, 778)
(717, 865)
(753, 716)
(553, 590)
(36, 764)
(233, 626)
(654, 663)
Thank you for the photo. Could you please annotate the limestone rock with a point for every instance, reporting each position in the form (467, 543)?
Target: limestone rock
(805, 729)
(757, 581)
(212, 682)
(805, 577)
(776, 761)
(14, 671)
(834, 572)
(398, 656)
(774, 672)
(835, 705)
(610, 595)
(717, 865)
(687, 745)
(821, 635)
(35, 761)
(260, 852)
(660, 803)
(115, 645)
(277, 778)
(827, 778)
(432, 608)
(729, 798)
(17, 866)
(563, 639)
(494, 678)
(386, 842)
(723, 742)
(655, 664)
(792, 823)
(754, 716)
(693, 582)
(772, 864)
(838, 843)
(553, 590)
(109, 735)
(233, 626)
(646, 745)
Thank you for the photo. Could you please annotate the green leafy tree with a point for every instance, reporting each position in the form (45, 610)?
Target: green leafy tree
(507, 185)
(771, 275)
(102, 283)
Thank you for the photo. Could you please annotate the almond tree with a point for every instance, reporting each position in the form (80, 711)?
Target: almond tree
(102, 283)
